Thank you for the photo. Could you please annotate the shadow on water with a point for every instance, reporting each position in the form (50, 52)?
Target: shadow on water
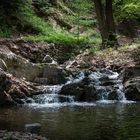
(118, 121)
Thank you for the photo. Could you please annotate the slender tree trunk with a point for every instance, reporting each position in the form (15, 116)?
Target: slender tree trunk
(105, 19)
(101, 21)
(112, 38)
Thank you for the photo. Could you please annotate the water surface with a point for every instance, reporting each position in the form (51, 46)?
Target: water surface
(100, 121)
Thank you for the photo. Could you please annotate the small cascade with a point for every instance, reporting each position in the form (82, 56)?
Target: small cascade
(50, 98)
(51, 89)
(79, 77)
(108, 86)
(106, 82)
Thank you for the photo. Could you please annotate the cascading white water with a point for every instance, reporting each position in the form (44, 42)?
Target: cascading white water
(105, 91)
(52, 98)
(79, 77)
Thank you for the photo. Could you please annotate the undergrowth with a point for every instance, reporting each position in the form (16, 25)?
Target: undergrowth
(19, 19)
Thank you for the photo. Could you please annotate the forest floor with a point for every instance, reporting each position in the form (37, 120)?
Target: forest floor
(116, 60)
(70, 56)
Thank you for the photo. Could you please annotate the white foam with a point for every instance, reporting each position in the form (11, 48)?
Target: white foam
(59, 105)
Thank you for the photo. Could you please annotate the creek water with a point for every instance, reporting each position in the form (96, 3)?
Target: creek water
(113, 121)
(64, 118)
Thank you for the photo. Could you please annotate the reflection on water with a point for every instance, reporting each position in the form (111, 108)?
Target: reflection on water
(116, 121)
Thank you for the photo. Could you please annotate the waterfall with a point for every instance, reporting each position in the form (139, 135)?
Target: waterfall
(106, 82)
(105, 92)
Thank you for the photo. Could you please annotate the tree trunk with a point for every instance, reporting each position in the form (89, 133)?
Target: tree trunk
(101, 21)
(105, 19)
(112, 38)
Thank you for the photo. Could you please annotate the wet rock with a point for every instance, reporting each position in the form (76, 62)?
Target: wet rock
(106, 71)
(131, 78)
(107, 83)
(132, 89)
(104, 78)
(33, 128)
(63, 98)
(113, 95)
(29, 100)
(81, 91)
(19, 101)
(92, 86)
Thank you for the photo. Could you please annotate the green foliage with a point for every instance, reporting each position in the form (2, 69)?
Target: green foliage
(87, 22)
(83, 19)
(17, 15)
(5, 31)
(42, 6)
(58, 38)
(93, 50)
(127, 9)
(81, 8)
(12, 15)
(21, 17)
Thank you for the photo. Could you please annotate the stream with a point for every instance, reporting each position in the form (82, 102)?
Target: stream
(64, 118)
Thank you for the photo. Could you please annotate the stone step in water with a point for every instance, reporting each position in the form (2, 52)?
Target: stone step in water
(86, 86)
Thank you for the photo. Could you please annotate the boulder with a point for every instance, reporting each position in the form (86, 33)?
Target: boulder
(131, 79)
(13, 90)
(132, 89)
(17, 65)
(92, 86)
(82, 91)
(113, 95)
(33, 128)
(130, 72)
(22, 68)
(55, 75)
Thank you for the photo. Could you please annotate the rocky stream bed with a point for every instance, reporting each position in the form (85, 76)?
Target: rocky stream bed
(28, 69)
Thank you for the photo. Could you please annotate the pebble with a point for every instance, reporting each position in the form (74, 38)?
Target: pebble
(6, 135)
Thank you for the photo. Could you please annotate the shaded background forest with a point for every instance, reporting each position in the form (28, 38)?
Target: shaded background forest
(64, 21)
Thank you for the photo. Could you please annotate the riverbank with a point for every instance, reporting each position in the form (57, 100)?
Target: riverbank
(116, 60)
(6, 135)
